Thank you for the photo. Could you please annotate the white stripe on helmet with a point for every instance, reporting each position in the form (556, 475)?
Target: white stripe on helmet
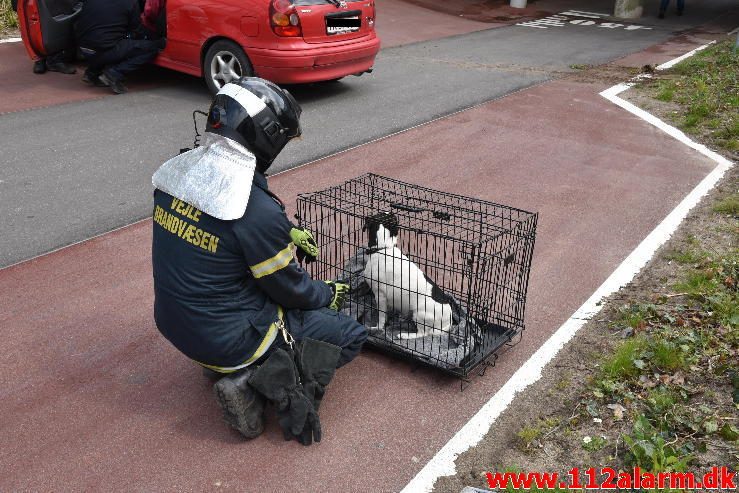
(250, 101)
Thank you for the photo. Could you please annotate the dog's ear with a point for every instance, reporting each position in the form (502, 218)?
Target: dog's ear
(390, 221)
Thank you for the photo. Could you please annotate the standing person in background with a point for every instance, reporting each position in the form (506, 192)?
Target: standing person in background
(663, 4)
(106, 32)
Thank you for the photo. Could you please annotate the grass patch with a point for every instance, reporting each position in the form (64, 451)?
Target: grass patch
(593, 444)
(705, 88)
(623, 364)
(529, 435)
(684, 256)
(678, 367)
(666, 356)
(8, 18)
(729, 205)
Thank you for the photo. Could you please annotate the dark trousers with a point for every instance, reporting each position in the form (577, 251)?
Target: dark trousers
(664, 3)
(125, 57)
(329, 326)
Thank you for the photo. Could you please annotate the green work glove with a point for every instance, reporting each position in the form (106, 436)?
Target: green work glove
(340, 291)
(307, 247)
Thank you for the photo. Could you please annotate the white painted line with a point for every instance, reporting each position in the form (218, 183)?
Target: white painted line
(679, 59)
(11, 40)
(442, 464)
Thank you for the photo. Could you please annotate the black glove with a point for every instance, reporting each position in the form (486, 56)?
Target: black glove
(277, 380)
(318, 360)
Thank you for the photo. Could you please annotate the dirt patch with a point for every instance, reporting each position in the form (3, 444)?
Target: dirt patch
(10, 33)
(570, 418)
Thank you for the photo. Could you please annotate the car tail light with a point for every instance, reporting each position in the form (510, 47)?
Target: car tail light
(283, 16)
(373, 14)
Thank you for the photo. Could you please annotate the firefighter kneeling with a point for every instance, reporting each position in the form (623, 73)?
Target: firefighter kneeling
(228, 292)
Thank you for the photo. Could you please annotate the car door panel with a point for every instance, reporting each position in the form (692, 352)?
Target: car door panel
(46, 25)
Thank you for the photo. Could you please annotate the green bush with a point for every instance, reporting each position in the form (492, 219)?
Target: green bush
(8, 19)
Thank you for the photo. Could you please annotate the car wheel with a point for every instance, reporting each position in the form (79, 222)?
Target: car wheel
(224, 62)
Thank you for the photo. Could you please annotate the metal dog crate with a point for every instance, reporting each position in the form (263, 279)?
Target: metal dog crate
(477, 252)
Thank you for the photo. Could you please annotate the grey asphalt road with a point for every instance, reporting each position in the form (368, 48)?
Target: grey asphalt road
(73, 171)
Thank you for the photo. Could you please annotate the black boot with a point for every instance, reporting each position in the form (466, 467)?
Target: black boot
(61, 67)
(243, 407)
(93, 79)
(39, 66)
(116, 84)
(661, 14)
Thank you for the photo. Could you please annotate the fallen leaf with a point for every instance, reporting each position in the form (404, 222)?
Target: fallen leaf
(710, 426)
(618, 411)
(729, 433)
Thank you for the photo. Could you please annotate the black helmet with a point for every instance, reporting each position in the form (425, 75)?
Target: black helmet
(257, 114)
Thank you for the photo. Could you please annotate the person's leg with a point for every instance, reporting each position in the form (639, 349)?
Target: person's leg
(663, 7)
(135, 53)
(56, 63)
(328, 326)
(96, 61)
(39, 66)
(680, 7)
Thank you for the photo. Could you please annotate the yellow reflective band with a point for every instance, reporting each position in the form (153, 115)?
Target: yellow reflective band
(272, 265)
(269, 338)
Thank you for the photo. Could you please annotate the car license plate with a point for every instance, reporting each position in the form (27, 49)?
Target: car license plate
(342, 25)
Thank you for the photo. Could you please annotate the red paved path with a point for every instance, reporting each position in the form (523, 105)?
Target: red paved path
(93, 398)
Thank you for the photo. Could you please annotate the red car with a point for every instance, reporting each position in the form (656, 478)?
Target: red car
(286, 41)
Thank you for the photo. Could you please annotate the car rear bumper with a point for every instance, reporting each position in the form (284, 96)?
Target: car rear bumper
(317, 64)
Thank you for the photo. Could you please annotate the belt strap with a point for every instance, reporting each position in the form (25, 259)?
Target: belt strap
(269, 338)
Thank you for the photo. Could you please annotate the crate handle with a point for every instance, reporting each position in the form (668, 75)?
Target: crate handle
(409, 208)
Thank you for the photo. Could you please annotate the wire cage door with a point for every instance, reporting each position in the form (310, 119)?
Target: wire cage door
(436, 277)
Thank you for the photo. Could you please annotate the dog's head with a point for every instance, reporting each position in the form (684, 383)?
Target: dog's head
(382, 230)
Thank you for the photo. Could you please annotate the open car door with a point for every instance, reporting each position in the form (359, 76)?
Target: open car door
(46, 25)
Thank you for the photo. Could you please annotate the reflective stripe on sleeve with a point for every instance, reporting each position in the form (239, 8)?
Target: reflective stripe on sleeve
(272, 265)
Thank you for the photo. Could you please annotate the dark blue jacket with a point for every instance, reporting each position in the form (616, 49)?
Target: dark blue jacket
(217, 283)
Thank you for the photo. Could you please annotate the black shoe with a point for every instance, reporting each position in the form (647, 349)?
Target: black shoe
(93, 80)
(61, 67)
(115, 84)
(39, 66)
(661, 14)
(679, 12)
(243, 407)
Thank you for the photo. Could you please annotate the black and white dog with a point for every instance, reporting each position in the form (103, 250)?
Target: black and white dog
(398, 284)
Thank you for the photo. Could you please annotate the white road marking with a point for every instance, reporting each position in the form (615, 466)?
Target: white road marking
(10, 40)
(559, 20)
(442, 464)
(679, 59)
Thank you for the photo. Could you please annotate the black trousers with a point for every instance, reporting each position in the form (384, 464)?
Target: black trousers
(125, 57)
